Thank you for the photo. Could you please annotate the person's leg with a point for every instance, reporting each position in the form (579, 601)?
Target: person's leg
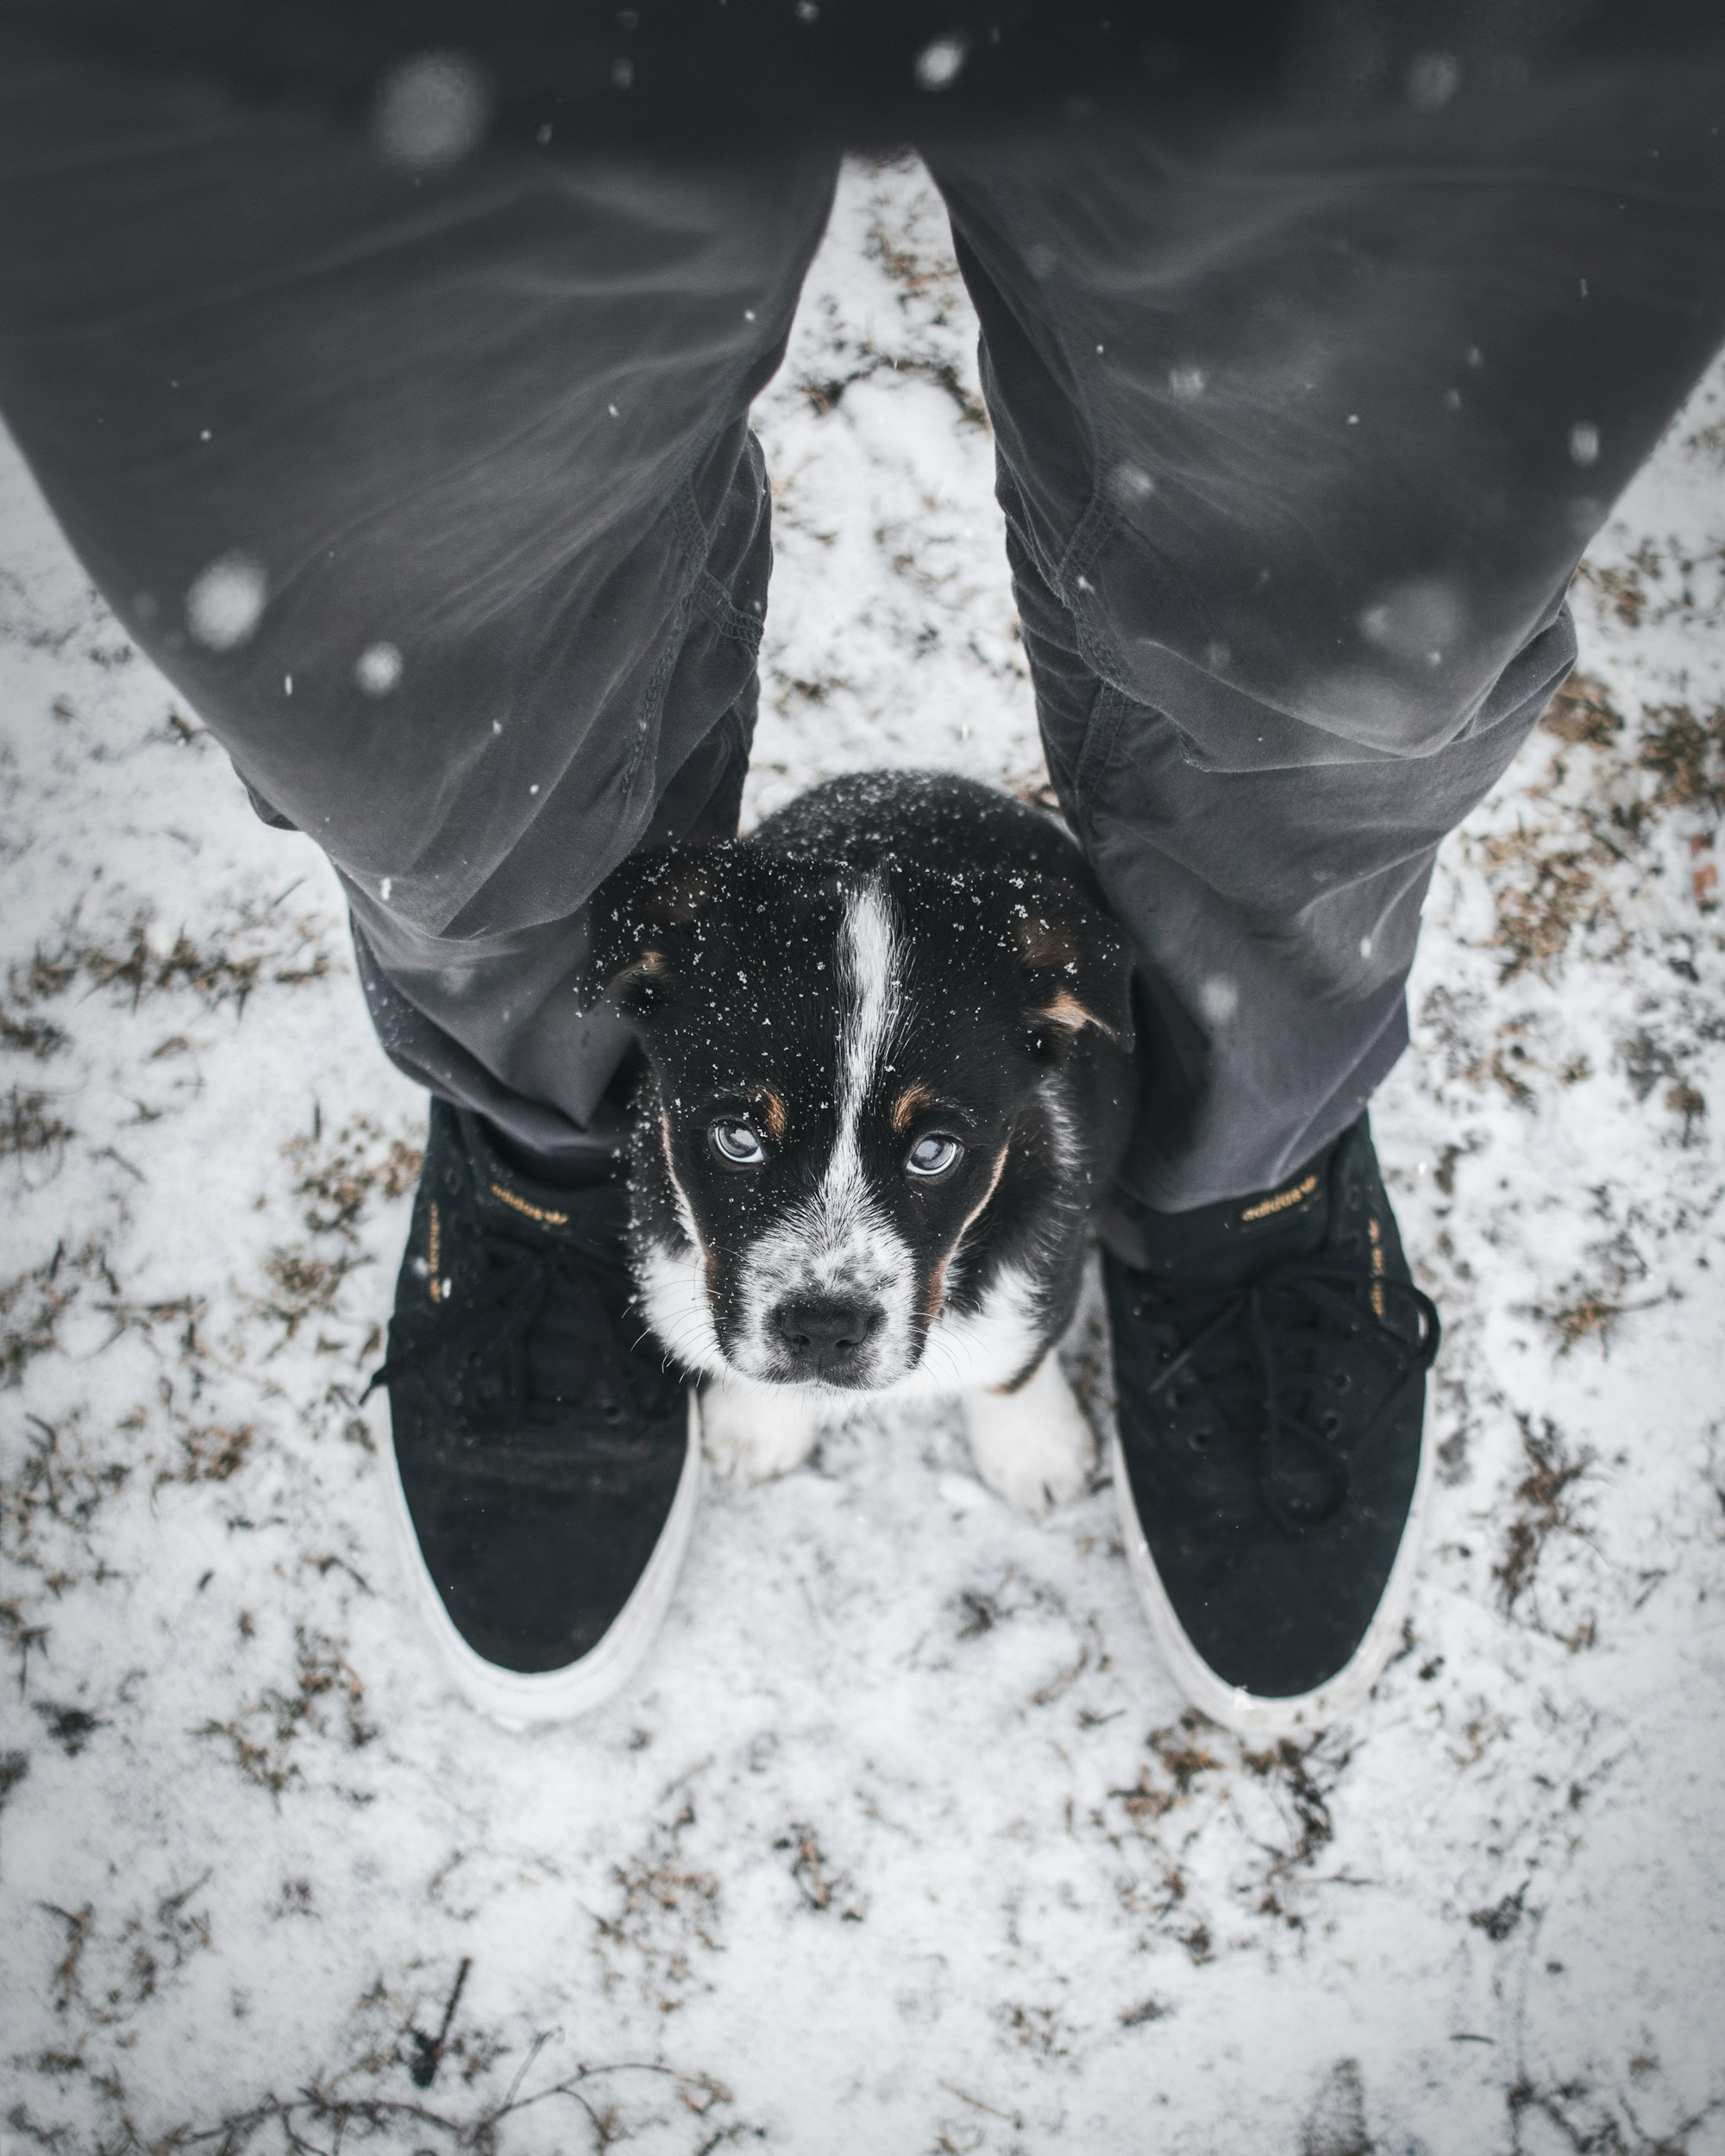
(429, 484)
(428, 480)
(1305, 414)
(1276, 911)
(1307, 404)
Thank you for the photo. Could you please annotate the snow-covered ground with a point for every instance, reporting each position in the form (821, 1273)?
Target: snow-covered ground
(902, 1842)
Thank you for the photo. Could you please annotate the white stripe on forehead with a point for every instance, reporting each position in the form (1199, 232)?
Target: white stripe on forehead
(843, 1212)
(865, 939)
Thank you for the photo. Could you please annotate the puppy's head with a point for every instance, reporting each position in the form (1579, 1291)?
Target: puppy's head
(838, 1063)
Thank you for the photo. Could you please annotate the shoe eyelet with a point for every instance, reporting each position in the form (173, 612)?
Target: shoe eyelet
(1341, 1380)
(1329, 1422)
(1199, 1440)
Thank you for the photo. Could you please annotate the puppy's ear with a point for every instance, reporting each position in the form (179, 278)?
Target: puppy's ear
(1078, 962)
(642, 917)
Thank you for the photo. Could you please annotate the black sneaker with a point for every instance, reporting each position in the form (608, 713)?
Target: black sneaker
(1270, 1358)
(547, 1462)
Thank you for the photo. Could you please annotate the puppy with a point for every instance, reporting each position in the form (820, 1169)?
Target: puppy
(888, 1077)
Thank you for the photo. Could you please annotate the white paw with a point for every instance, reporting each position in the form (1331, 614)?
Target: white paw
(752, 1432)
(1033, 1446)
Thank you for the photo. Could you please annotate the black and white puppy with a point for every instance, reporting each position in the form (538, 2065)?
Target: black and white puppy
(888, 1077)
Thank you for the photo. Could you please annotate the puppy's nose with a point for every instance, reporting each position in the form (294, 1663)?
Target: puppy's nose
(827, 1334)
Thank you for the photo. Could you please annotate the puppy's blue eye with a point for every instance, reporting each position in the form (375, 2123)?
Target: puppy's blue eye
(736, 1145)
(933, 1156)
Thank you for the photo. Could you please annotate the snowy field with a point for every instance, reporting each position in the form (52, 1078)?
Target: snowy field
(902, 1842)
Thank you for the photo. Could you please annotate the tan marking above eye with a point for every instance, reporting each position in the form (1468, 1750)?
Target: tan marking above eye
(652, 962)
(910, 1104)
(774, 1113)
(1066, 1010)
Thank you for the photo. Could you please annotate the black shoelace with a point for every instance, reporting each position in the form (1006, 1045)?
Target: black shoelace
(1339, 1298)
(480, 1365)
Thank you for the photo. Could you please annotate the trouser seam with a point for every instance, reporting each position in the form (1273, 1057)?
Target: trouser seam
(701, 590)
(653, 699)
(716, 605)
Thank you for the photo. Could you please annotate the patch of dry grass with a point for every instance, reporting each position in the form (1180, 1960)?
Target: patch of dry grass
(1180, 1758)
(866, 359)
(130, 959)
(666, 1909)
(1656, 583)
(1193, 1763)
(1685, 752)
(1040, 2030)
(49, 1503)
(608, 2104)
(105, 1975)
(1544, 1505)
(209, 1452)
(29, 1125)
(32, 1304)
(822, 1886)
(324, 1699)
(31, 1036)
(1558, 874)
(338, 1178)
(914, 250)
(1544, 893)
(304, 1285)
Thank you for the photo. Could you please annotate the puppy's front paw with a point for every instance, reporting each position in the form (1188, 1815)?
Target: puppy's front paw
(1033, 1446)
(752, 1432)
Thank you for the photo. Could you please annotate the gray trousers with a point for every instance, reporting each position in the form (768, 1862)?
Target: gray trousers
(428, 480)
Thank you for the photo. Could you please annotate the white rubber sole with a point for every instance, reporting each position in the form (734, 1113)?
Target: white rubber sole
(1249, 1714)
(521, 1699)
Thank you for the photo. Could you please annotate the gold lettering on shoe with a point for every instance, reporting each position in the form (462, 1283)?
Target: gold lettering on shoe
(1376, 1233)
(545, 1217)
(434, 1251)
(1292, 1196)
